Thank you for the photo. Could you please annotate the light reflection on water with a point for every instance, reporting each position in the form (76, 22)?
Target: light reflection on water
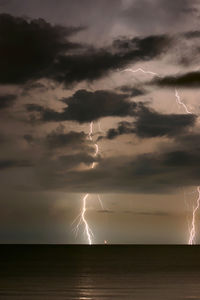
(160, 286)
(81, 274)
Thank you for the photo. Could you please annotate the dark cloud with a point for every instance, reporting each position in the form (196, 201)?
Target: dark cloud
(188, 80)
(59, 139)
(123, 128)
(132, 91)
(85, 106)
(163, 171)
(59, 142)
(70, 12)
(30, 50)
(95, 63)
(6, 164)
(34, 107)
(188, 141)
(153, 124)
(145, 173)
(153, 213)
(67, 162)
(30, 86)
(171, 166)
(29, 138)
(148, 213)
(7, 101)
(53, 172)
(106, 211)
(181, 158)
(192, 34)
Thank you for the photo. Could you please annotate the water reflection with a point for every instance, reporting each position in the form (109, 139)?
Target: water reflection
(79, 273)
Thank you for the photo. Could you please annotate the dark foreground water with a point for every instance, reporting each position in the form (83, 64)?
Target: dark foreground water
(99, 272)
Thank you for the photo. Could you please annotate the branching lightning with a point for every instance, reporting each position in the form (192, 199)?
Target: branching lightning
(192, 228)
(141, 70)
(81, 219)
(100, 202)
(178, 99)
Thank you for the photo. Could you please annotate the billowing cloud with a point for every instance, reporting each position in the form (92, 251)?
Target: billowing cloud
(187, 80)
(132, 91)
(95, 63)
(145, 173)
(58, 139)
(30, 50)
(150, 123)
(85, 106)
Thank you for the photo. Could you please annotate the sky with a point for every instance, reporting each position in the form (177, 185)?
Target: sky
(127, 69)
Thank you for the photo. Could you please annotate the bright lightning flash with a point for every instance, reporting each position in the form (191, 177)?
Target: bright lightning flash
(82, 217)
(141, 70)
(178, 99)
(181, 103)
(193, 228)
(197, 206)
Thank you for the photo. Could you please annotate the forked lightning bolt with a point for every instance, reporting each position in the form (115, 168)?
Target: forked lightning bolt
(88, 231)
(178, 99)
(192, 230)
(141, 70)
(82, 217)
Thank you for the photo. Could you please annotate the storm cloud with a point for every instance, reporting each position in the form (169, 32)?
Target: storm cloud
(28, 48)
(188, 80)
(85, 106)
(35, 49)
(150, 124)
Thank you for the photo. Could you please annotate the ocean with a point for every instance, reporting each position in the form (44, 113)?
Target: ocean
(100, 272)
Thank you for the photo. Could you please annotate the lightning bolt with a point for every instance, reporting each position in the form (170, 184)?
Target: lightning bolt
(141, 70)
(192, 229)
(82, 216)
(81, 219)
(178, 99)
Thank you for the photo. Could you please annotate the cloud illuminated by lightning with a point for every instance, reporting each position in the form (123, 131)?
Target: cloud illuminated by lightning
(82, 216)
(178, 99)
(192, 229)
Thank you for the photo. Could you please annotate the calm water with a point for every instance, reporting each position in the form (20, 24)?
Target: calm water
(99, 272)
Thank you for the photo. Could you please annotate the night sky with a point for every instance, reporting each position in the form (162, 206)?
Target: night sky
(63, 65)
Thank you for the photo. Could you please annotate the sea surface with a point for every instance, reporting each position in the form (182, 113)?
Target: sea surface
(57, 272)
